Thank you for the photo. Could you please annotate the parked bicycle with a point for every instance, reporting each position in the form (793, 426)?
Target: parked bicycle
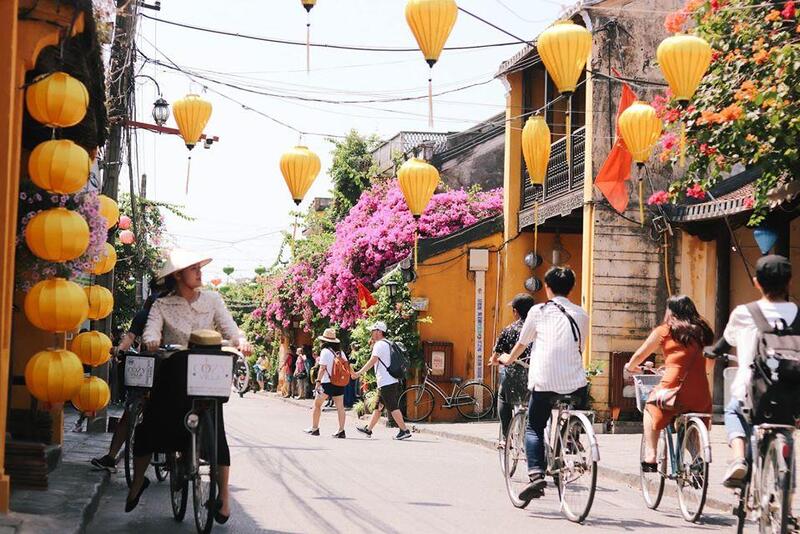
(683, 455)
(571, 453)
(473, 399)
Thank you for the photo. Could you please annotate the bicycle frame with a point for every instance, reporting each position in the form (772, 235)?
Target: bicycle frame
(452, 400)
(561, 413)
(675, 444)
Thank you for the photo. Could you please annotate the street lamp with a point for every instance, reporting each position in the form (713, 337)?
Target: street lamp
(392, 288)
(160, 111)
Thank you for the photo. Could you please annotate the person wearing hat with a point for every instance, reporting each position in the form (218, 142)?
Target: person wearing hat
(773, 274)
(323, 386)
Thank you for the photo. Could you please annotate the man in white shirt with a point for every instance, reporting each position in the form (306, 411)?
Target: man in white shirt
(388, 386)
(557, 330)
(773, 274)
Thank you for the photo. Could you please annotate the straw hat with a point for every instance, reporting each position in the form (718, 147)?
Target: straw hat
(205, 338)
(329, 335)
(178, 259)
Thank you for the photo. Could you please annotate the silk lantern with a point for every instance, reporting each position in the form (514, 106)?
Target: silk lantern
(191, 114)
(300, 167)
(101, 302)
(431, 22)
(127, 237)
(106, 261)
(124, 222)
(53, 376)
(57, 235)
(93, 348)
(418, 180)
(536, 151)
(109, 209)
(57, 100)
(92, 396)
(56, 305)
(640, 128)
(59, 166)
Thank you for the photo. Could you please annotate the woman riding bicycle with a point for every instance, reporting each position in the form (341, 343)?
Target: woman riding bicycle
(171, 321)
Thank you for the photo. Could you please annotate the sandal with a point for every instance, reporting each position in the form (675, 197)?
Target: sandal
(647, 467)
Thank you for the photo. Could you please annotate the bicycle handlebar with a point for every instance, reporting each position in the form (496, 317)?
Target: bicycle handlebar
(718, 351)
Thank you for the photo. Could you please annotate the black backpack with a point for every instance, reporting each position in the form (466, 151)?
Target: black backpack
(776, 370)
(399, 361)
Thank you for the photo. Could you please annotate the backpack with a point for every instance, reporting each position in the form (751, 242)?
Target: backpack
(399, 361)
(776, 370)
(341, 371)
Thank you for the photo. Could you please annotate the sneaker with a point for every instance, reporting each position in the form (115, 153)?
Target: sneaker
(365, 430)
(312, 431)
(403, 434)
(500, 445)
(339, 435)
(534, 489)
(105, 462)
(735, 474)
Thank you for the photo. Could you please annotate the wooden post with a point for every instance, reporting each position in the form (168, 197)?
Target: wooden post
(722, 309)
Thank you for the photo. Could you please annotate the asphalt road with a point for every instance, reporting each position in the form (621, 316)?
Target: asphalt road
(285, 481)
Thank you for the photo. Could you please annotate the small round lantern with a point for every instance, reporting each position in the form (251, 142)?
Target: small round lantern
(56, 305)
(59, 166)
(57, 100)
(93, 348)
(92, 396)
(124, 222)
(109, 209)
(300, 167)
(107, 260)
(53, 376)
(57, 235)
(127, 237)
(101, 302)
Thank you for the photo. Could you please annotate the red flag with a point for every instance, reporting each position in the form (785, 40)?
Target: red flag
(365, 298)
(617, 168)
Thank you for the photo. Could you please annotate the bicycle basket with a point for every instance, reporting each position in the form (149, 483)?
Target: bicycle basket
(644, 384)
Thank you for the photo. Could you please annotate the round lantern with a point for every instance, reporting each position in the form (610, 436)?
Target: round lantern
(536, 148)
(57, 235)
(127, 237)
(53, 376)
(57, 100)
(431, 22)
(107, 260)
(59, 166)
(109, 209)
(192, 114)
(300, 167)
(124, 222)
(56, 305)
(92, 396)
(564, 48)
(93, 348)
(684, 60)
(640, 128)
(418, 180)
(101, 302)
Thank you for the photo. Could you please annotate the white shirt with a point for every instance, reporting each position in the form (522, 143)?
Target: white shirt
(326, 358)
(556, 363)
(172, 319)
(383, 352)
(741, 332)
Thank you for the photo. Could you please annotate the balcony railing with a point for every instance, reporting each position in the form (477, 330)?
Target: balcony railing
(558, 182)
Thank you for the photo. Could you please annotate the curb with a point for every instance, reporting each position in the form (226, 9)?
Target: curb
(89, 511)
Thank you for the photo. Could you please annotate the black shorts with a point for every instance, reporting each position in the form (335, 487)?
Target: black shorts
(331, 390)
(389, 395)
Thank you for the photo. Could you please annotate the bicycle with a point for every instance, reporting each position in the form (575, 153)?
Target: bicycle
(473, 399)
(571, 455)
(242, 379)
(501, 449)
(683, 455)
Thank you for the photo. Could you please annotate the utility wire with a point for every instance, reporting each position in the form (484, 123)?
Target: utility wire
(496, 27)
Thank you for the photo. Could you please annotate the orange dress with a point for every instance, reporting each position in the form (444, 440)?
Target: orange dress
(694, 395)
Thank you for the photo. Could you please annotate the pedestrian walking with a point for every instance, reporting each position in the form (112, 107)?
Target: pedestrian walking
(388, 386)
(300, 375)
(334, 372)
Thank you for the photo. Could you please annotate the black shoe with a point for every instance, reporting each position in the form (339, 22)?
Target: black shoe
(365, 430)
(534, 489)
(339, 435)
(403, 434)
(105, 462)
(219, 517)
(130, 505)
(312, 431)
(649, 468)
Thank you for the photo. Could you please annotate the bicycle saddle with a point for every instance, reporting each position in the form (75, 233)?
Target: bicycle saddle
(456, 379)
(569, 400)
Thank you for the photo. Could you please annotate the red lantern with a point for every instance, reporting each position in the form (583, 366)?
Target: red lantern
(127, 237)
(216, 282)
(124, 222)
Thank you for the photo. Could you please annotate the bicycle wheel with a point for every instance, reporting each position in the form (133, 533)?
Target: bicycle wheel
(178, 485)
(501, 451)
(417, 401)
(204, 484)
(515, 460)
(652, 484)
(241, 376)
(577, 473)
(160, 467)
(133, 420)
(692, 476)
(475, 400)
(775, 487)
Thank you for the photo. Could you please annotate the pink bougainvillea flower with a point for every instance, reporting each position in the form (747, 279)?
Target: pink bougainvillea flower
(696, 191)
(669, 141)
(658, 198)
(714, 5)
(788, 11)
(749, 202)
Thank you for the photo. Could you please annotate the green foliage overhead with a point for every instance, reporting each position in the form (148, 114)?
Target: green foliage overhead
(351, 170)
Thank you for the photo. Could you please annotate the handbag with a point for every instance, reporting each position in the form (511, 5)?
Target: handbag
(667, 398)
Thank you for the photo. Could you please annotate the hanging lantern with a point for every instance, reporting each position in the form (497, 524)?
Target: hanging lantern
(107, 260)
(418, 180)
(536, 148)
(684, 60)
(109, 209)
(564, 48)
(56, 305)
(300, 167)
(53, 376)
(191, 114)
(765, 237)
(124, 222)
(92, 396)
(308, 4)
(57, 100)
(127, 237)
(101, 302)
(216, 281)
(640, 129)
(160, 111)
(57, 235)
(59, 166)
(93, 348)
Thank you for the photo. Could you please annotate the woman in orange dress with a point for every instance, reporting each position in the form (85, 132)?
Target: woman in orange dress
(681, 336)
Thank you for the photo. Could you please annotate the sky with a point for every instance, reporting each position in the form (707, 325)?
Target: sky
(237, 197)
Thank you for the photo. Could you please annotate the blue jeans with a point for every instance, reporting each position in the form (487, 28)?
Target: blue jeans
(735, 424)
(539, 407)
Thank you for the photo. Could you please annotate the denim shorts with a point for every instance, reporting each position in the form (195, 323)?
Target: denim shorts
(735, 423)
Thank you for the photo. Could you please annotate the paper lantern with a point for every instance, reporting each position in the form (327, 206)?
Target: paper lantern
(124, 222)
(191, 114)
(53, 376)
(59, 166)
(640, 129)
(431, 22)
(536, 148)
(57, 235)
(564, 48)
(56, 305)
(418, 180)
(109, 209)
(127, 237)
(101, 302)
(308, 4)
(300, 167)
(57, 100)
(216, 281)
(684, 60)
(107, 260)
(92, 396)
(93, 348)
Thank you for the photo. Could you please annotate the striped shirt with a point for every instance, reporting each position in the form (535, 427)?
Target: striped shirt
(556, 363)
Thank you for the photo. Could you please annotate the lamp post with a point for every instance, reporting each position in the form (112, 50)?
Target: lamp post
(160, 111)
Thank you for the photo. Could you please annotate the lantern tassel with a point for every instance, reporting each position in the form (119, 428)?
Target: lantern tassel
(430, 102)
(188, 172)
(416, 247)
(308, 42)
(568, 132)
(683, 144)
(641, 201)
(535, 228)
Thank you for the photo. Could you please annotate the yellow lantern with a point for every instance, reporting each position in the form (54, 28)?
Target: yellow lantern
(308, 4)
(640, 129)
(93, 348)
(53, 376)
(192, 114)
(684, 60)
(110, 210)
(56, 305)
(536, 148)
(57, 234)
(101, 302)
(107, 260)
(59, 166)
(564, 48)
(92, 396)
(300, 167)
(57, 100)
(418, 180)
